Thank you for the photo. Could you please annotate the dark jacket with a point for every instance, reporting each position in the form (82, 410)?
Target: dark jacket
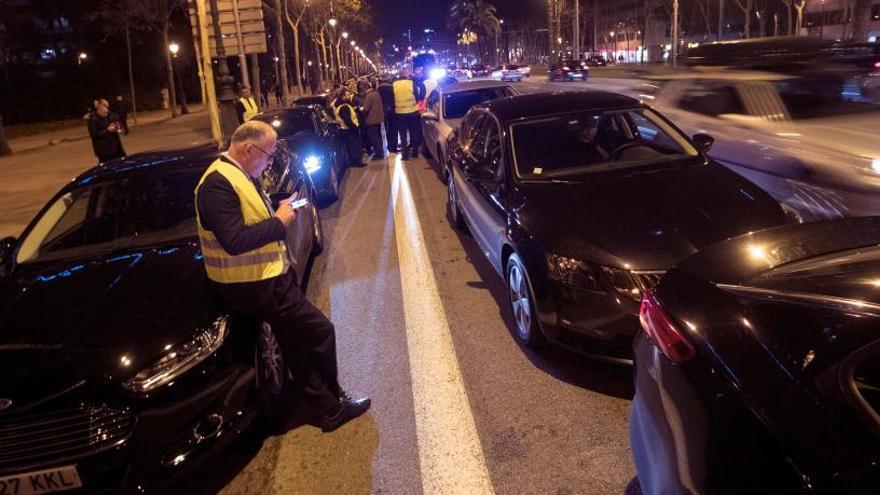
(386, 91)
(107, 145)
(374, 111)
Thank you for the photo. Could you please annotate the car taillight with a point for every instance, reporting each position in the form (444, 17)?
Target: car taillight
(663, 332)
(565, 68)
(877, 65)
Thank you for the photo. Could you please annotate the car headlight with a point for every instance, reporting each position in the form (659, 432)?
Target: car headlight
(624, 282)
(180, 358)
(312, 164)
(570, 271)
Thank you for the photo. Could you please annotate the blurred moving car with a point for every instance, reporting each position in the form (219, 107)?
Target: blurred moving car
(568, 70)
(507, 73)
(478, 71)
(314, 142)
(446, 107)
(758, 370)
(811, 140)
(596, 61)
(119, 369)
(581, 201)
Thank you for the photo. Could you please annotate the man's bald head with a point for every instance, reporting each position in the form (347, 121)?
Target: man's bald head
(253, 146)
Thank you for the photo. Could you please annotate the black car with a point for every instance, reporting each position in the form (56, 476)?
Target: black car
(596, 61)
(478, 71)
(314, 142)
(118, 366)
(320, 99)
(580, 230)
(568, 70)
(759, 367)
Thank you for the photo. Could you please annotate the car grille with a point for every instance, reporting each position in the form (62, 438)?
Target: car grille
(647, 280)
(31, 440)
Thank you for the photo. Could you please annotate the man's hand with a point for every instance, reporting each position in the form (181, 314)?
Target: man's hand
(284, 212)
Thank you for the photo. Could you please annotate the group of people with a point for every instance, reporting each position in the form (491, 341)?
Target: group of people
(106, 123)
(369, 107)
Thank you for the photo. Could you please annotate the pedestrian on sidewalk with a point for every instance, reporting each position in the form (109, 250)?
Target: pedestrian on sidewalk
(386, 91)
(120, 108)
(374, 117)
(104, 129)
(264, 94)
(277, 90)
(246, 106)
(247, 261)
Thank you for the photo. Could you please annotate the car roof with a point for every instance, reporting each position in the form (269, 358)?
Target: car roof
(285, 112)
(560, 102)
(457, 87)
(199, 155)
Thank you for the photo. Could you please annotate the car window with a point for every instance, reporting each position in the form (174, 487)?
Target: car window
(434, 102)
(456, 104)
(712, 99)
(493, 152)
(136, 210)
(586, 141)
(824, 96)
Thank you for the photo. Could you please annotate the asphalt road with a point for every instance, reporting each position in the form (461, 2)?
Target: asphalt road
(548, 422)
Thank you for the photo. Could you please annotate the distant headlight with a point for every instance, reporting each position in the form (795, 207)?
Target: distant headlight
(437, 74)
(570, 271)
(180, 358)
(312, 164)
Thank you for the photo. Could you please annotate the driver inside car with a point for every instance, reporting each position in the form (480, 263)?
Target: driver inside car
(587, 149)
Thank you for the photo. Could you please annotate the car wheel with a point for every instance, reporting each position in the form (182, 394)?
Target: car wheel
(522, 304)
(452, 207)
(273, 385)
(317, 232)
(441, 161)
(332, 193)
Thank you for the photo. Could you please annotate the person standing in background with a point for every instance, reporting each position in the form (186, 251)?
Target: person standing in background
(120, 108)
(104, 129)
(374, 116)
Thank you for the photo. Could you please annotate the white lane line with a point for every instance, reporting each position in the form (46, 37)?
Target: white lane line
(450, 454)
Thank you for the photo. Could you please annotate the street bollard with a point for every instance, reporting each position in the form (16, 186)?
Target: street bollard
(4, 145)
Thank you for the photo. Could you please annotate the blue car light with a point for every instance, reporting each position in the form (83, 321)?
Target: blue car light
(312, 164)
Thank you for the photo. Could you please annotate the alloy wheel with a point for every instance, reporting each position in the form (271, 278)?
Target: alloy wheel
(272, 362)
(519, 301)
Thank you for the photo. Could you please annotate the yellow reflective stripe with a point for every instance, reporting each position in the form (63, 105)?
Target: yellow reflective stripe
(404, 96)
(241, 260)
(250, 108)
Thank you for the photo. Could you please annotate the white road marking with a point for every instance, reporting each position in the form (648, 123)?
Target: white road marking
(450, 454)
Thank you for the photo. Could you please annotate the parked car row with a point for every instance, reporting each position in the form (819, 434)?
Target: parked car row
(754, 338)
(119, 369)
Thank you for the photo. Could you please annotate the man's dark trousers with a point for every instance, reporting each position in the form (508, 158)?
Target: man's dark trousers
(306, 337)
(391, 131)
(352, 138)
(409, 123)
(374, 132)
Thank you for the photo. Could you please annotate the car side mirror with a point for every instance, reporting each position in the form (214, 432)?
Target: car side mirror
(7, 254)
(704, 142)
(430, 116)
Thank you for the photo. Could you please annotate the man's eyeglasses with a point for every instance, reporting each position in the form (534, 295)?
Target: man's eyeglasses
(270, 155)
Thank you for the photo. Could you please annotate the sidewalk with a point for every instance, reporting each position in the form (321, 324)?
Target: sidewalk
(30, 177)
(36, 141)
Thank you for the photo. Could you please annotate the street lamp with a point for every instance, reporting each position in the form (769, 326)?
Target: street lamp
(345, 34)
(174, 48)
(332, 22)
(81, 58)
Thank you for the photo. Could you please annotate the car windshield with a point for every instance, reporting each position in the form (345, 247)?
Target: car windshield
(573, 64)
(815, 97)
(290, 124)
(455, 105)
(131, 211)
(593, 141)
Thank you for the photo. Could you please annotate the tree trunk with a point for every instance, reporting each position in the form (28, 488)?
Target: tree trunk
(279, 49)
(790, 25)
(255, 79)
(861, 18)
(130, 74)
(172, 90)
(720, 19)
(799, 7)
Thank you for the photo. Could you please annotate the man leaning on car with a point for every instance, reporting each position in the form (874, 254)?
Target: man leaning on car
(243, 243)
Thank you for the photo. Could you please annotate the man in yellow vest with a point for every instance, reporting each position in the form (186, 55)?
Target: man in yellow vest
(407, 94)
(246, 106)
(243, 243)
(350, 126)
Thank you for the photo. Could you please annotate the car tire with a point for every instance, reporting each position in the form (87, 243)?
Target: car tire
(317, 232)
(452, 207)
(522, 304)
(332, 193)
(273, 383)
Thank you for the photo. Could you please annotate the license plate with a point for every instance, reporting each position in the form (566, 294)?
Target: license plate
(36, 482)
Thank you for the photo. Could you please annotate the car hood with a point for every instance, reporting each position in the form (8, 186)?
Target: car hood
(646, 219)
(851, 134)
(97, 319)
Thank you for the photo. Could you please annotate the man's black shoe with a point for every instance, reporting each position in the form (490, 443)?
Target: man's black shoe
(348, 410)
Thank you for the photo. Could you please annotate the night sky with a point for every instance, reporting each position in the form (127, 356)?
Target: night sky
(395, 16)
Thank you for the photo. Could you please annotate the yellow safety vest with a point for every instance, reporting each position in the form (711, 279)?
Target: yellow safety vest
(354, 116)
(250, 107)
(259, 264)
(405, 96)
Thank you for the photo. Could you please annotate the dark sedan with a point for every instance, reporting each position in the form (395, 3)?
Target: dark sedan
(118, 367)
(320, 99)
(759, 367)
(582, 201)
(314, 142)
(568, 70)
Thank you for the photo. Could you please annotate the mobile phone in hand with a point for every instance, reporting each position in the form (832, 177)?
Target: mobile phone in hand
(299, 203)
